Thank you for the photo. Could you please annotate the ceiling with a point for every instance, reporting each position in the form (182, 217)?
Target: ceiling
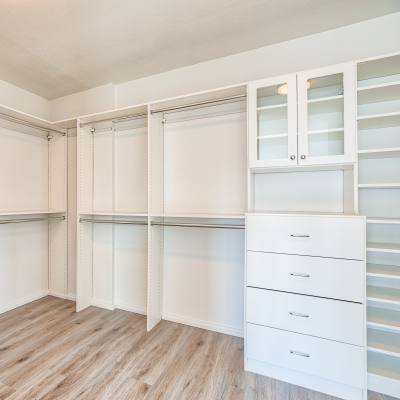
(58, 47)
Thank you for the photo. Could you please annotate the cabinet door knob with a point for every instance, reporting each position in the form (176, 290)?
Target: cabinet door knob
(303, 157)
(292, 157)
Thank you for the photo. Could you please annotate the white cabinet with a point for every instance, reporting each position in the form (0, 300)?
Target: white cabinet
(305, 301)
(273, 122)
(303, 119)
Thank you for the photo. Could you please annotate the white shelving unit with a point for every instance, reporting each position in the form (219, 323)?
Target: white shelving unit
(378, 119)
(197, 201)
(112, 210)
(33, 209)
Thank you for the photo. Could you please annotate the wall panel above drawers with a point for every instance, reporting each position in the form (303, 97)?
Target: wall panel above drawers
(317, 276)
(307, 235)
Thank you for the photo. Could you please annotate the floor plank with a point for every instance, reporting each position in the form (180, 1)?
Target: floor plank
(49, 352)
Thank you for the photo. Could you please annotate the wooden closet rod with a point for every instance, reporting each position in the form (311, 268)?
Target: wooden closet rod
(200, 103)
(195, 225)
(20, 220)
(112, 221)
(29, 124)
(117, 119)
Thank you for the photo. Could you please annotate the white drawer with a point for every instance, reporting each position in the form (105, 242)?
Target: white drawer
(338, 237)
(317, 276)
(327, 359)
(325, 318)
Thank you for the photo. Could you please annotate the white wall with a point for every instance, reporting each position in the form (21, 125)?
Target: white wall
(370, 38)
(19, 99)
(90, 101)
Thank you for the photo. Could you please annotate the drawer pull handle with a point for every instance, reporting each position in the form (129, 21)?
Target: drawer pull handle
(297, 314)
(299, 235)
(299, 353)
(300, 274)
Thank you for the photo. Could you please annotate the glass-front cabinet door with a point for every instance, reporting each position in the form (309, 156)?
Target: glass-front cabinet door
(273, 122)
(326, 115)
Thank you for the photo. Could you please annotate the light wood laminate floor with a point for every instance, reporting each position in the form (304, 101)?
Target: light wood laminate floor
(49, 352)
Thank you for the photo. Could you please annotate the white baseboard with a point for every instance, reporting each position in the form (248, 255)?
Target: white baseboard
(21, 302)
(62, 295)
(130, 308)
(102, 304)
(209, 325)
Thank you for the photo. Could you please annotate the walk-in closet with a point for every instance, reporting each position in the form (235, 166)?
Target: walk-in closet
(200, 201)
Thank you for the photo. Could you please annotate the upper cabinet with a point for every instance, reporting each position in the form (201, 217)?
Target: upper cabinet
(303, 119)
(273, 122)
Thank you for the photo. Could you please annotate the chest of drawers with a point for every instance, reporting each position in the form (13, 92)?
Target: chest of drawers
(305, 301)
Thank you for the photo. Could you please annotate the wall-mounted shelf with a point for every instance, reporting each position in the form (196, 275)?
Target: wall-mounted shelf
(382, 318)
(35, 212)
(115, 214)
(388, 221)
(378, 86)
(383, 271)
(383, 247)
(385, 295)
(383, 372)
(199, 215)
(383, 342)
(379, 93)
(394, 185)
(379, 120)
(379, 153)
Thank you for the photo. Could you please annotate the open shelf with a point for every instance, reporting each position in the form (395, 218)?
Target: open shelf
(376, 86)
(379, 93)
(383, 271)
(384, 374)
(379, 153)
(199, 215)
(115, 214)
(379, 120)
(35, 212)
(383, 342)
(383, 247)
(393, 185)
(383, 221)
(383, 318)
(384, 295)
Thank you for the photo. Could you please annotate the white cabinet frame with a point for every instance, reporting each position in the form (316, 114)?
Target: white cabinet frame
(291, 158)
(349, 114)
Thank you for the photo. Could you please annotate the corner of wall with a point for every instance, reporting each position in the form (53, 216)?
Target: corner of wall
(21, 100)
(91, 101)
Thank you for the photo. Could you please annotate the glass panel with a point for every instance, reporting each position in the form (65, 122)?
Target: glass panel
(325, 108)
(272, 122)
(272, 95)
(272, 148)
(326, 144)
